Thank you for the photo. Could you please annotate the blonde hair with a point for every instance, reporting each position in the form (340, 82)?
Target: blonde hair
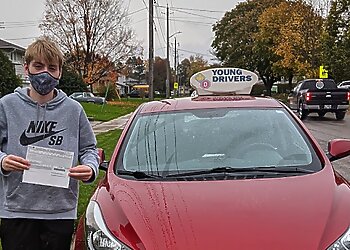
(46, 49)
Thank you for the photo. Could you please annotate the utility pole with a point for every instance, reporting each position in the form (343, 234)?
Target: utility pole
(167, 82)
(175, 67)
(175, 61)
(150, 52)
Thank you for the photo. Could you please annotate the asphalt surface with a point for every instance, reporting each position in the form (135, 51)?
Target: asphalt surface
(328, 128)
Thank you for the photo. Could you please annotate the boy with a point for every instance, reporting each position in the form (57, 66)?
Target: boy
(37, 215)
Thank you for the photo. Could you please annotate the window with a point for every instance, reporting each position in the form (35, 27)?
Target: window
(203, 139)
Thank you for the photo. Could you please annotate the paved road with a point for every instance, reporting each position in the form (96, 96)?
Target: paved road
(327, 128)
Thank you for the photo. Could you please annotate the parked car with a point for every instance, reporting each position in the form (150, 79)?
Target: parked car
(344, 84)
(219, 171)
(137, 93)
(319, 96)
(87, 97)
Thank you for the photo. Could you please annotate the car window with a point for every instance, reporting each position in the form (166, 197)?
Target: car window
(296, 89)
(203, 139)
(89, 94)
(345, 84)
(311, 84)
(77, 94)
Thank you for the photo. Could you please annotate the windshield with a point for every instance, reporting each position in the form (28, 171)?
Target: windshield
(176, 142)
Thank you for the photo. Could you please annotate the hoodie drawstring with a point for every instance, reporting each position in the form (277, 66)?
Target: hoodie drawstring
(38, 106)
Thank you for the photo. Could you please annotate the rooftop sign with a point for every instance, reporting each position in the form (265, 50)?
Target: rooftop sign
(223, 81)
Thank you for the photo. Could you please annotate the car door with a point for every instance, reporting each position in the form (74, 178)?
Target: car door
(79, 97)
(293, 97)
(89, 97)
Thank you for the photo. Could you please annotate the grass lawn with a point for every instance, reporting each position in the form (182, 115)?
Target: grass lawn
(107, 141)
(111, 110)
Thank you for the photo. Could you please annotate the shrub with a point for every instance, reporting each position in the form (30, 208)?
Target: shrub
(110, 90)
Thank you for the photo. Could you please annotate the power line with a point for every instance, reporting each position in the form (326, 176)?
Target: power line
(197, 53)
(22, 38)
(139, 21)
(160, 43)
(20, 22)
(160, 26)
(136, 11)
(24, 24)
(20, 26)
(188, 21)
(193, 14)
(174, 23)
(145, 4)
(192, 9)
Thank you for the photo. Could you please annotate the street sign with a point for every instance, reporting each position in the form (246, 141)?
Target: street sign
(323, 72)
(176, 85)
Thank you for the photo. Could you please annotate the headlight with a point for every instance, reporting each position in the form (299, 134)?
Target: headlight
(97, 235)
(343, 243)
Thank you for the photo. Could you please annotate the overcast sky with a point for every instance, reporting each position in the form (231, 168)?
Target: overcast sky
(193, 18)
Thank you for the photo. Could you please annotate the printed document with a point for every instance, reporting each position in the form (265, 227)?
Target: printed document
(49, 167)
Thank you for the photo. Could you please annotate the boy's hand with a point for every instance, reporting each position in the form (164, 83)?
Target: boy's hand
(14, 163)
(81, 172)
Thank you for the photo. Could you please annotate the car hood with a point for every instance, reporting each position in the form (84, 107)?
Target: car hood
(304, 212)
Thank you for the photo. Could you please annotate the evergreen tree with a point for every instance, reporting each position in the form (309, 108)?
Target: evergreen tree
(71, 82)
(8, 78)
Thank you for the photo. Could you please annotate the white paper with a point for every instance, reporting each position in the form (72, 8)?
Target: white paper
(49, 167)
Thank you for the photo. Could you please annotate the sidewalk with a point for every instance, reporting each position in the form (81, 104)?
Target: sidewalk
(118, 123)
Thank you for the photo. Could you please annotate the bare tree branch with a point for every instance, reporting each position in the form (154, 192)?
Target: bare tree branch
(88, 28)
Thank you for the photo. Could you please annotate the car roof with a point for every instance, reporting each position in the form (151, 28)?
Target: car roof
(205, 102)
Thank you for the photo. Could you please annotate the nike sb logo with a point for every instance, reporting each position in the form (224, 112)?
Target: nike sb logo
(41, 130)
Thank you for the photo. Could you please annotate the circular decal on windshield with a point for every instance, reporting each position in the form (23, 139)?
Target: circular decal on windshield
(319, 84)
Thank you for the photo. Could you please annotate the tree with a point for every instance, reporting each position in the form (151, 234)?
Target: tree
(159, 75)
(8, 79)
(184, 72)
(190, 66)
(291, 32)
(197, 63)
(86, 29)
(234, 42)
(71, 82)
(336, 40)
(135, 68)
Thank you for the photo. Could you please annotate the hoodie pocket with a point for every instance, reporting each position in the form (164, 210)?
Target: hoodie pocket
(40, 199)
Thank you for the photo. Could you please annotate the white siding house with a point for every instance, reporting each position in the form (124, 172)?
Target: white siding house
(16, 55)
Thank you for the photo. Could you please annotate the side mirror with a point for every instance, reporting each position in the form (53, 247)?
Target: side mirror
(101, 155)
(338, 148)
(103, 163)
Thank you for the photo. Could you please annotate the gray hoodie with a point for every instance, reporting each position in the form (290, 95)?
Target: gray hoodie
(60, 124)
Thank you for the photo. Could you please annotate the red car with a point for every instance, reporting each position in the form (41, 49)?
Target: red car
(219, 170)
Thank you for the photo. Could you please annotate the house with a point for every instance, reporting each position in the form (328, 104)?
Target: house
(16, 55)
(125, 84)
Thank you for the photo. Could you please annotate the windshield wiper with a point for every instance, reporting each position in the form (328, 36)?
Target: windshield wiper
(139, 174)
(270, 169)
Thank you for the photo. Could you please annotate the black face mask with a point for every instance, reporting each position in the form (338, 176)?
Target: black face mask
(43, 82)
